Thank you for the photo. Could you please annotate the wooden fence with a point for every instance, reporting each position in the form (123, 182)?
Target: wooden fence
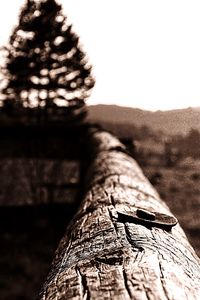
(123, 243)
(40, 164)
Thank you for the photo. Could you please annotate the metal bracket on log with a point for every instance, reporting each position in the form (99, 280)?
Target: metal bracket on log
(123, 243)
(147, 218)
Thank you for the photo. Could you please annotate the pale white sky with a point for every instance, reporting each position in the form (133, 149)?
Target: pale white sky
(145, 53)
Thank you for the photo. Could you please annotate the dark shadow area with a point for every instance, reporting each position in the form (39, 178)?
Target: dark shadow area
(42, 170)
(29, 237)
(58, 141)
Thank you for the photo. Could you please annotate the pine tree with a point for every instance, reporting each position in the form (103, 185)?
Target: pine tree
(45, 65)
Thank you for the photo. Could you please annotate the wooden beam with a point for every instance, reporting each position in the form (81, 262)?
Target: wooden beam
(121, 244)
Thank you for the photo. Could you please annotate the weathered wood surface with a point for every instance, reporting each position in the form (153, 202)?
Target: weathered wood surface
(105, 257)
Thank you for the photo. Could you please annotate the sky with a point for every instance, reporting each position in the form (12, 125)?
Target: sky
(145, 53)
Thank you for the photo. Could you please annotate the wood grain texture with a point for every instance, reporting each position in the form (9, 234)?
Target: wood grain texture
(103, 257)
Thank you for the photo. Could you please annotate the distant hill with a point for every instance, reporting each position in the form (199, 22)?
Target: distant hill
(170, 122)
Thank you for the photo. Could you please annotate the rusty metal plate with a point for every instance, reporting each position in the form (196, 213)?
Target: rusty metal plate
(147, 218)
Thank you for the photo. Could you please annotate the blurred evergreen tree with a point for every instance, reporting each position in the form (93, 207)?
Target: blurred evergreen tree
(45, 65)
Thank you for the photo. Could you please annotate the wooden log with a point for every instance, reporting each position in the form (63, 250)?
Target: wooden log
(110, 251)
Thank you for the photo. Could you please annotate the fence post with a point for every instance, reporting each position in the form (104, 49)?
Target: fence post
(124, 242)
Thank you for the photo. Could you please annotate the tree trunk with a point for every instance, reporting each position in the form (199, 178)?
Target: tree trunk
(124, 242)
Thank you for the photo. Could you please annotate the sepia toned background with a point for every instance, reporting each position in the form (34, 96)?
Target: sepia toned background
(146, 63)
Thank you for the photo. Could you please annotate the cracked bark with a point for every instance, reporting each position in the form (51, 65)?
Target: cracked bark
(103, 257)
